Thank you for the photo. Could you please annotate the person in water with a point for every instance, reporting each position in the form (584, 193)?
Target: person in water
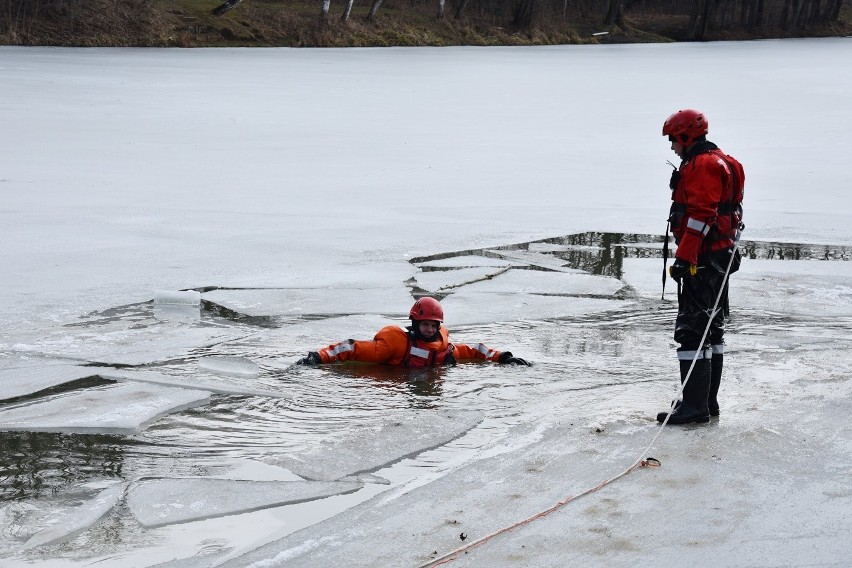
(425, 343)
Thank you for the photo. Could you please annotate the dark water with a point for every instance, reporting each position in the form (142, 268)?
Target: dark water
(320, 404)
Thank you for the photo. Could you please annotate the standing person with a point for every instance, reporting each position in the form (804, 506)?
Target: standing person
(705, 218)
(425, 343)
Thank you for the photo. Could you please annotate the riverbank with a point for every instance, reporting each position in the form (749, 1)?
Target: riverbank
(265, 23)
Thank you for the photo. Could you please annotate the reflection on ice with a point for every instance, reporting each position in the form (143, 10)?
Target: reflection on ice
(36, 464)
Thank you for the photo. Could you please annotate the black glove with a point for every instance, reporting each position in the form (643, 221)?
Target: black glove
(507, 359)
(680, 269)
(313, 358)
(674, 180)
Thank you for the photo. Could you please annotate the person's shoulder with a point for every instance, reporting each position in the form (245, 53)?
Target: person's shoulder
(392, 331)
(709, 160)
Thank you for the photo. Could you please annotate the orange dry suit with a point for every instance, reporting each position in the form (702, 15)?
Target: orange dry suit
(394, 345)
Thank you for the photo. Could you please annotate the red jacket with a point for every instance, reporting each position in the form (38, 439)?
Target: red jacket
(706, 213)
(393, 345)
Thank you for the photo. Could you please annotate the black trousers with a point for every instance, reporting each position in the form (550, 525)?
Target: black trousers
(696, 297)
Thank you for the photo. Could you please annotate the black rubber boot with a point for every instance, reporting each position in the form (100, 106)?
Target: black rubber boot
(715, 379)
(693, 407)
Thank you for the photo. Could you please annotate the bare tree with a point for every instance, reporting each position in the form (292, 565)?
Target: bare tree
(371, 17)
(462, 5)
(347, 11)
(615, 12)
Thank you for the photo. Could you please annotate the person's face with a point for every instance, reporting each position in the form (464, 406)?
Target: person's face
(428, 328)
(677, 147)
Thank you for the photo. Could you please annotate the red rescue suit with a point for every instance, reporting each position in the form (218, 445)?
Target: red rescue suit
(394, 345)
(706, 212)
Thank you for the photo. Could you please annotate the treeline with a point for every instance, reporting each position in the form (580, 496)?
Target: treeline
(685, 20)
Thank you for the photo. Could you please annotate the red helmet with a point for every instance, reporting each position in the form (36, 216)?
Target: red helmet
(426, 308)
(686, 126)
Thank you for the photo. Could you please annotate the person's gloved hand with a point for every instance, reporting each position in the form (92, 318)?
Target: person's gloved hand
(313, 358)
(506, 358)
(680, 269)
(675, 179)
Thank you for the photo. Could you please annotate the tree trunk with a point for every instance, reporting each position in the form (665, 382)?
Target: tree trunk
(347, 11)
(326, 4)
(614, 13)
(371, 17)
(460, 9)
(524, 13)
(834, 15)
(440, 9)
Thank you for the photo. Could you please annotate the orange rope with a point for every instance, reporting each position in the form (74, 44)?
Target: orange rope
(449, 557)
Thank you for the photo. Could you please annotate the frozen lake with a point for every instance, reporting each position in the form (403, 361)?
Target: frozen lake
(308, 196)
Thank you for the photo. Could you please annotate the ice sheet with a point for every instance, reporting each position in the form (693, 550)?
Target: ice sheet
(222, 385)
(368, 449)
(466, 307)
(168, 501)
(346, 299)
(122, 408)
(38, 374)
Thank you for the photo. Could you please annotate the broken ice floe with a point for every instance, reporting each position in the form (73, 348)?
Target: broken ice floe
(312, 301)
(76, 520)
(370, 448)
(167, 501)
(177, 298)
(34, 376)
(123, 408)
(229, 366)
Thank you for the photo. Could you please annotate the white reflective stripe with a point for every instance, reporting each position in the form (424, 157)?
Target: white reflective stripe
(418, 352)
(341, 348)
(697, 225)
(485, 350)
(718, 348)
(690, 355)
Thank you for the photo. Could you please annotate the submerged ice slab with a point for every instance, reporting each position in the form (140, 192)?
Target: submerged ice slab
(167, 501)
(126, 345)
(37, 376)
(123, 408)
(229, 366)
(78, 519)
(369, 449)
(221, 385)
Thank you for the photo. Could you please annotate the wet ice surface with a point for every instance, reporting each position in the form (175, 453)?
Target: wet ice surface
(189, 181)
(368, 449)
(436, 445)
